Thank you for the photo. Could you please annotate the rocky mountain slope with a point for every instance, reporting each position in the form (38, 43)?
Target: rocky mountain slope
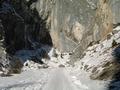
(100, 59)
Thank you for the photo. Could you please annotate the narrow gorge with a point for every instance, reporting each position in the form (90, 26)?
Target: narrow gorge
(74, 39)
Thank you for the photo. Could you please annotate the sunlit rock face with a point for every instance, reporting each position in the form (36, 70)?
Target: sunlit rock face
(75, 24)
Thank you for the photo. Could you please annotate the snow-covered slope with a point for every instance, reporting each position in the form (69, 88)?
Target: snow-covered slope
(98, 59)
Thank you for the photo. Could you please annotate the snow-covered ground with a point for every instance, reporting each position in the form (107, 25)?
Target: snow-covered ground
(79, 77)
(39, 77)
(35, 78)
(54, 77)
(27, 80)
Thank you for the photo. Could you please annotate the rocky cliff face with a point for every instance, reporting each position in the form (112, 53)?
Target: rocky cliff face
(76, 24)
(68, 25)
(21, 28)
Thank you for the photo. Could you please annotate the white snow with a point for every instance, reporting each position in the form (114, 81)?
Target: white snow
(27, 80)
(34, 77)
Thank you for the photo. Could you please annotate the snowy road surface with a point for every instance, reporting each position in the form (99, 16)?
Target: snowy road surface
(49, 79)
(46, 79)
(60, 80)
(27, 80)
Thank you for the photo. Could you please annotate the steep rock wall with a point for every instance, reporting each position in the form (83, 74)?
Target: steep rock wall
(73, 24)
(76, 24)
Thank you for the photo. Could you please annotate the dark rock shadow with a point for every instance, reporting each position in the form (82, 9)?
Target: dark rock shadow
(25, 33)
(115, 82)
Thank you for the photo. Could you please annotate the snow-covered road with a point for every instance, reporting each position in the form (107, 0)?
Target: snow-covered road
(27, 80)
(60, 80)
(43, 79)
(49, 79)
